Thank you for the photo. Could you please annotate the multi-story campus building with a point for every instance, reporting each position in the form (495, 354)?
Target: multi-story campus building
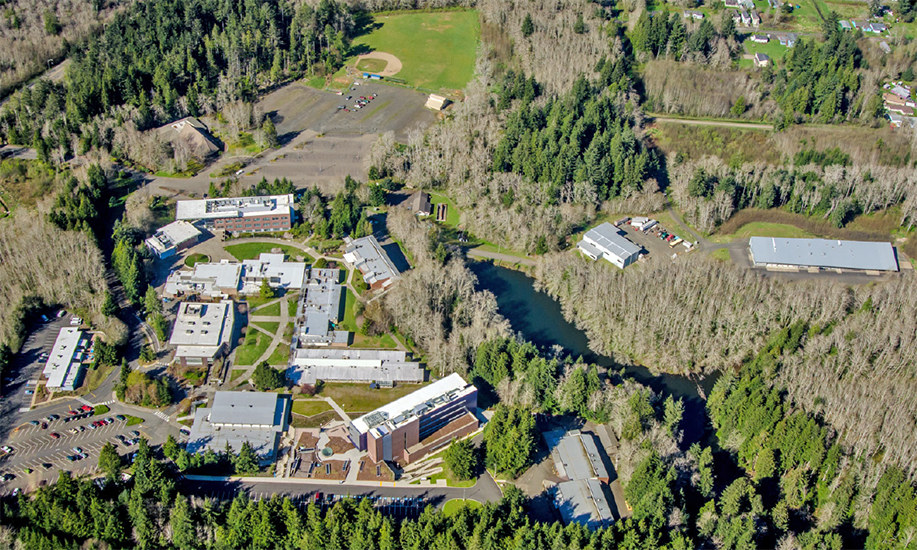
(421, 422)
(202, 332)
(240, 215)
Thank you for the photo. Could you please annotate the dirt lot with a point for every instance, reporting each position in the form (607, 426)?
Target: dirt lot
(297, 107)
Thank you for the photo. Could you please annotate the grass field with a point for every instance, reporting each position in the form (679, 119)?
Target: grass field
(235, 374)
(196, 259)
(350, 320)
(772, 49)
(372, 65)
(453, 506)
(384, 341)
(249, 352)
(280, 355)
(271, 310)
(359, 398)
(733, 145)
(270, 326)
(452, 214)
(437, 50)
(310, 407)
(250, 251)
(764, 229)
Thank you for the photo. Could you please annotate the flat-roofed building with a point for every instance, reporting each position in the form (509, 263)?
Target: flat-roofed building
(822, 254)
(240, 214)
(584, 501)
(608, 242)
(171, 238)
(583, 498)
(319, 311)
(212, 280)
(368, 256)
(279, 273)
(227, 278)
(419, 423)
(64, 368)
(202, 332)
(236, 417)
(353, 365)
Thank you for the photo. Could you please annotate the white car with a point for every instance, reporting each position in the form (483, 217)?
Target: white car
(6, 449)
(74, 321)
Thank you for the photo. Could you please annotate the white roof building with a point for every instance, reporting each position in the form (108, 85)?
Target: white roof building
(236, 417)
(64, 368)
(402, 410)
(353, 365)
(436, 102)
(222, 279)
(171, 238)
(823, 254)
(202, 331)
(239, 207)
(279, 273)
(368, 256)
(607, 241)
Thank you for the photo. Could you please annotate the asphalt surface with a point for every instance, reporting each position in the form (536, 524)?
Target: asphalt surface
(483, 491)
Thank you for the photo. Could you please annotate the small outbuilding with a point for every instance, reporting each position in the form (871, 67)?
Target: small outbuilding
(436, 102)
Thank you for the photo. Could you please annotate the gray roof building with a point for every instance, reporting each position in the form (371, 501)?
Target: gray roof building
(607, 241)
(202, 332)
(584, 501)
(237, 417)
(353, 365)
(420, 204)
(171, 238)
(367, 255)
(319, 307)
(822, 253)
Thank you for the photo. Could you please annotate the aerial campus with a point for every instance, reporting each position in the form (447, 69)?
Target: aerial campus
(334, 274)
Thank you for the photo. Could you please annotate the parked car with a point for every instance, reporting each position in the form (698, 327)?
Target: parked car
(44, 426)
(135, 433)
(8, 477)
(71, 458)
(29, 392)
(73, 431)
(47, 465)
(86, 408)
(34, 422)
(75, 321)
(77, 450)
(121, 417)
(55, 435)
(6, 449)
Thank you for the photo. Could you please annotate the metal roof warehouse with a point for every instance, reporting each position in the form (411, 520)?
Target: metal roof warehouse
(822, 253)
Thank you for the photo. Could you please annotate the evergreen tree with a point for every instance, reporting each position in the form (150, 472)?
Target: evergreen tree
(266, 377)
(247, 461)
(527, 26)
(579, 27)
(110, 462)
(184, 532)
(461, 459)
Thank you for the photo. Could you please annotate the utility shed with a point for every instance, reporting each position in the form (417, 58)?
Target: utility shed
(823, 253)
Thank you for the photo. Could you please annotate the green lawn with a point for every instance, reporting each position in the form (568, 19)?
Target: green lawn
(764, 229)
(452, 214)
(100, 410)
(350, 320)
(272, 310)
(196, 259)
(94, 378)
(384, 341)
(292, 304)
(437, 50)
(310, 407)
(453, 506)
(249, 352)
(359, 398)
(772, 49)
(236, 373)
(280, 355)
(372, 65)
(133, 420)
(250, 251)
(270, 326)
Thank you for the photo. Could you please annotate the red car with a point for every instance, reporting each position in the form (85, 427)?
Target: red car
(86, 408)
(73, 413)
(55, 435)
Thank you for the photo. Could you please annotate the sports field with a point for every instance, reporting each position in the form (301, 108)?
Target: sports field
(437, 50)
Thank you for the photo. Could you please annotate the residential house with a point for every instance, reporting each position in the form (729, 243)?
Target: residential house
(755, 19)
(788, 40)
(845, 25)
(693, 14)
(192, 133)
(885, 47)
(762, 60)
(760, 38)
(877, 28)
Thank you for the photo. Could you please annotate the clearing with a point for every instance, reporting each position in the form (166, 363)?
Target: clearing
(765, 229)
(358, 398)
(453, 506)
(437, 50)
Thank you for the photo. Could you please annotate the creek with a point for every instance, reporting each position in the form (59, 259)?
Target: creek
(538, 318)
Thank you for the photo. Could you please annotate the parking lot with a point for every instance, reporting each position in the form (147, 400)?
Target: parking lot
(34, 447)
(27, 367)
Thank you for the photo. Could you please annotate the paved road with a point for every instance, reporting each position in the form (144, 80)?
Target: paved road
(483, 491)
(744, 125)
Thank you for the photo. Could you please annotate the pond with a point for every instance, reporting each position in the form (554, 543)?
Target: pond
(538, 318)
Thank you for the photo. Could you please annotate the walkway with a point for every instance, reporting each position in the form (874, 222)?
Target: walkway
(721, 123)
(283, 319)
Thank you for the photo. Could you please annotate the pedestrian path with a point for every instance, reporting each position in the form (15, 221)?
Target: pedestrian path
(83, 401)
